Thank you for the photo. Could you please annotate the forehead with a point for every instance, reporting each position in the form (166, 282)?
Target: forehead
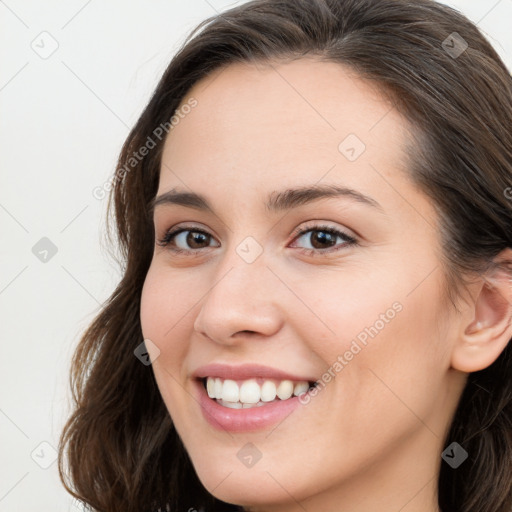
(291, 123)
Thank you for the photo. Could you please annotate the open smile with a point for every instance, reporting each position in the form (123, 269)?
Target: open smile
(231, 401)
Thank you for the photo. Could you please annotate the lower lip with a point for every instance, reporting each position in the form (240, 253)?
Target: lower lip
(244, 420)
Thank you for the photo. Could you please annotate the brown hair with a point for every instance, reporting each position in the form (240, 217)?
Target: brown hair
(121, 447)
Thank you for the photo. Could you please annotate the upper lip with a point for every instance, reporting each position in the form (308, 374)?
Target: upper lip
(246, 371)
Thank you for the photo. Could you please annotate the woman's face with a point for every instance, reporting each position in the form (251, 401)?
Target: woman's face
(354, 302)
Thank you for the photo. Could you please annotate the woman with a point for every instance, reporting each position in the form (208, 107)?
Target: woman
(315, 215)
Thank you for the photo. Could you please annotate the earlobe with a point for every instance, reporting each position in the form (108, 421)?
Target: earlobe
(484, 338)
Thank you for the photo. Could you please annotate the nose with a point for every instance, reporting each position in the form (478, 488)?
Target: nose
(240, 303)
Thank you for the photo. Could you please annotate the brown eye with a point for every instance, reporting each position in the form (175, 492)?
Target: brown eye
(186, 240)
(196, 239)
(323, 239)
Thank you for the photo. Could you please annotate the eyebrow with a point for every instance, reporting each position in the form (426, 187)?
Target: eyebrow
(276, 202)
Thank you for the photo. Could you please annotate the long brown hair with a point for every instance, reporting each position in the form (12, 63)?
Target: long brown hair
(122, 451)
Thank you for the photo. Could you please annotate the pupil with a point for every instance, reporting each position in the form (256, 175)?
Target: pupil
(322, 237)
(192, 238)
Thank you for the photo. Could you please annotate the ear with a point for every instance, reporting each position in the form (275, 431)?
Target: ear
(489, 329)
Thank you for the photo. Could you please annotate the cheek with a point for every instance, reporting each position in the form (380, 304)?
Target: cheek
(401, 357)
(164, 314)
(166, 299)
(382, 341)
(152, 306)
(347, 311)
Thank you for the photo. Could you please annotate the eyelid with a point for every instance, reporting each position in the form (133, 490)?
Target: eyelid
(319, 225)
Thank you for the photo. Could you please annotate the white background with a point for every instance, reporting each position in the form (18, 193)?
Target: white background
(63, 120)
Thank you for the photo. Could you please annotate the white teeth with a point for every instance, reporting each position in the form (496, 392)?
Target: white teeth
(250, 394)
(285, 389)
(210, 387)
(268, 391)
(218, 388)
(300, 387)
(250, 406)
(231, 405)
(230, 392)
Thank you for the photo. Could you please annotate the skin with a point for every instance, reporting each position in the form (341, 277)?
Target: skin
(372, 438)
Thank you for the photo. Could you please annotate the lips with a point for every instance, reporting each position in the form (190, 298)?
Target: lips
(222, 415)
(247, 371)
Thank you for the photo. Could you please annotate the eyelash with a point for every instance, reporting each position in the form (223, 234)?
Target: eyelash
(349, 240)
